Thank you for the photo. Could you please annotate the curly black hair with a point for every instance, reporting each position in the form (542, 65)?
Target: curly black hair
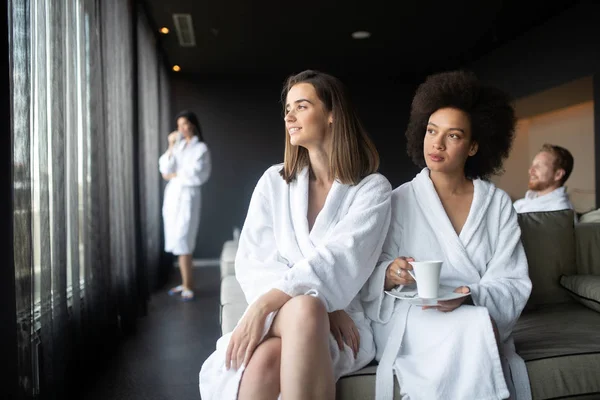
(490, 111)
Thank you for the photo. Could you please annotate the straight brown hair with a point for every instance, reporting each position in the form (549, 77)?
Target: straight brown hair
(353, 154)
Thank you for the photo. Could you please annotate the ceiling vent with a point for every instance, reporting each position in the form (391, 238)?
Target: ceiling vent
(184, 29)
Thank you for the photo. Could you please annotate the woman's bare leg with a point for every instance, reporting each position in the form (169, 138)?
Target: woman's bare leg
(306, 367)
(185, 267)
(261, 379)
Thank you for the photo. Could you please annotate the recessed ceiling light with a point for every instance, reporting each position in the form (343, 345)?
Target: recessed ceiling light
(176, 68)
(164, 30)
(361, 35)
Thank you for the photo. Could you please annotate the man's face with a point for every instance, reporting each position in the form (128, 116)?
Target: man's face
(542, 174)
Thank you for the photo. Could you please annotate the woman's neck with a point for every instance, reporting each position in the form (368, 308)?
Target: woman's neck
(319, 166)
(450, 184)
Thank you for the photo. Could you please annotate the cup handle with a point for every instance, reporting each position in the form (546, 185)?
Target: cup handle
(411, 274)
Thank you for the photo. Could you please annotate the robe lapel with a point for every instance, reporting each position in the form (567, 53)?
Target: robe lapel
(482, 197)
(299, 210)
(307, 241)
(329, 213)
(431, 206)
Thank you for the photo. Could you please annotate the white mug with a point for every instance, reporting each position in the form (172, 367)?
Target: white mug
(427, 276)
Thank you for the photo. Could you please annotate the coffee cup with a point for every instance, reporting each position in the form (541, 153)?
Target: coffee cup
(427, 276)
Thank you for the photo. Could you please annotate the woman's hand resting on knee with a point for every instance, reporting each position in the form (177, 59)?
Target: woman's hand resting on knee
(247, 334)
(343, 330)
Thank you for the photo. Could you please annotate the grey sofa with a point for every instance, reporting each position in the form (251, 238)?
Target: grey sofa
(558, 334)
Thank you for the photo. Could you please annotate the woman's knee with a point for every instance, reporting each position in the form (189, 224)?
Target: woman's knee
(265, 363)
(308, 314)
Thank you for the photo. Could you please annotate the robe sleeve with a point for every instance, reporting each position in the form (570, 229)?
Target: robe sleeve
(505, 286)
(166, 163)
(379, 306)
(258, 265)
(198, 171)
(339, 267)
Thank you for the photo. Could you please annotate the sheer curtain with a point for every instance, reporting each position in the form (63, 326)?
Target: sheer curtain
(85, 186)
(167, 125)
(20, 83)
(8, 280)
(151, 140)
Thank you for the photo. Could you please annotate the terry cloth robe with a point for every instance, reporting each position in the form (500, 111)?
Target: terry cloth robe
(182, 201)
(453, 355)
(331, 262)
(553, 201)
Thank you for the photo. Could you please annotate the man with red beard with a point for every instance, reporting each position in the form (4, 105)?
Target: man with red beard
(548, 173)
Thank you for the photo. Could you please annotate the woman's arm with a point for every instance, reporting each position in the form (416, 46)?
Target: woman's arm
(196, 172)
(379, 306)
(166, 162)
(505, 286)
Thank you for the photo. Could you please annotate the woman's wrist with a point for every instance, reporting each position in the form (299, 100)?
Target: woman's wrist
(273, 300)
(388, 285)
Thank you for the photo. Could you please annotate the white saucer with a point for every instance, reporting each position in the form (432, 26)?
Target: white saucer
(444, 293)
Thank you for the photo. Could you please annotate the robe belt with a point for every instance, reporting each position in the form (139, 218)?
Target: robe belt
(384, 381)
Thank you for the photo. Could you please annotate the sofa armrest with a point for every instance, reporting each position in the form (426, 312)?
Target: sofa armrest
(228, 258)
(585, 289)
(587, 248)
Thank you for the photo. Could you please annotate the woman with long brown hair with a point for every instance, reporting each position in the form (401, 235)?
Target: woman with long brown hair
(313, 232)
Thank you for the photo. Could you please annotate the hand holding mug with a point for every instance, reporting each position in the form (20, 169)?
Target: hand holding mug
(172, 138)
(397, 273)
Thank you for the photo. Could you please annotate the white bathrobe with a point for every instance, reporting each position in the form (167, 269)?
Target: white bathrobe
(182, 203)
(553, 201)
(331, 262)
(453, 355)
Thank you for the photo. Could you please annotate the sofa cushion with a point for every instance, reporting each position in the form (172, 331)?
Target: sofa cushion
(587, 237)
(592, 216)
(583, 288)
(549, 242)
(227, 268)
(561, 347)
(228, 258)
(230, 315)
(231, 291)
(361, 385)
(230, 244)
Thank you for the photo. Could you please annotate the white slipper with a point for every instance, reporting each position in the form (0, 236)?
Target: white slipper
(187, 295)
(176, 290)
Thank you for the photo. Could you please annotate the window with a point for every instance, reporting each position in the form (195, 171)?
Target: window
(73, 140)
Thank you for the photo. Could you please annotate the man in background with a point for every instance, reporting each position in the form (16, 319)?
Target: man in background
(548, 173)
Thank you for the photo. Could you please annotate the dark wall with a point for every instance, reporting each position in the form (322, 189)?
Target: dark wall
(564, 49)
(241, 118)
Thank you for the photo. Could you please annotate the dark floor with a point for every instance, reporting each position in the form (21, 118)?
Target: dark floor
(162, 360)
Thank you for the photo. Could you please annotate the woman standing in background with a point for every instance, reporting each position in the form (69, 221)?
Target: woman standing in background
(186, 165)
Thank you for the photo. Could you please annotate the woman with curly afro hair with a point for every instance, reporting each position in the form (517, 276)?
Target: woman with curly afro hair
(457, 345)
